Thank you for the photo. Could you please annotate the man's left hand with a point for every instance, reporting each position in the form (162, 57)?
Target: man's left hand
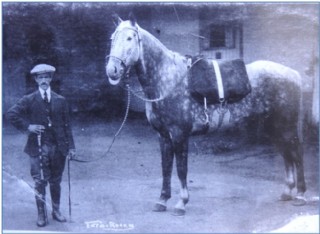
(72, 154)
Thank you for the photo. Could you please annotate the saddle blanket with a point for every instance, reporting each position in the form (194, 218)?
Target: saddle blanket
(203, 82)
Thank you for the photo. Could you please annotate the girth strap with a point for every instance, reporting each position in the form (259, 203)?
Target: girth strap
(219, 80)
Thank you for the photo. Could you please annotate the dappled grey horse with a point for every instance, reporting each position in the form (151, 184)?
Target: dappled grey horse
(172, 111)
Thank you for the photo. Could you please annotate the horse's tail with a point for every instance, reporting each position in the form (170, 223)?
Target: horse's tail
(300, 110)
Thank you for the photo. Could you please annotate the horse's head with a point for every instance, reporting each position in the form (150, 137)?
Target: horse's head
(125, 49)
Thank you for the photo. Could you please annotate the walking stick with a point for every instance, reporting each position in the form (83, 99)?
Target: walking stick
(69, 185)
(42, 176)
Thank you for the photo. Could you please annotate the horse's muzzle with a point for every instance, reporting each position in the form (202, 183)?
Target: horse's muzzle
(114, 72)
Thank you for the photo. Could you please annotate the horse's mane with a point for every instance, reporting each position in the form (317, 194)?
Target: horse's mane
(156, 42)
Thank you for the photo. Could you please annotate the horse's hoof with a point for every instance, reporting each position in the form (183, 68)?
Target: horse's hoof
(178, 212)
(299, 201)
(285, 197)
(158, 207)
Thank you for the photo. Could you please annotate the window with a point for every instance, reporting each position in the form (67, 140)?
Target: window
(222, 36)
(219, 36)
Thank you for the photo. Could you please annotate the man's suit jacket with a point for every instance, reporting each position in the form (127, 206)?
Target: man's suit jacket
(31, 110)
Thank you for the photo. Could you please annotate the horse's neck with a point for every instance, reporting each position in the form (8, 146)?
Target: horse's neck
(158, 65)
(155, 55)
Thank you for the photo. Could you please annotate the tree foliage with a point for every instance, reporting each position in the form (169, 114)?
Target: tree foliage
(73, 37)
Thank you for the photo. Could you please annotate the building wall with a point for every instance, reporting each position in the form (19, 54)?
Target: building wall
(283, 33)
(287, 34)
(177, 30)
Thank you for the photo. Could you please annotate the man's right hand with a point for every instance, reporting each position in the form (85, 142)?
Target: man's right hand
(35, 128)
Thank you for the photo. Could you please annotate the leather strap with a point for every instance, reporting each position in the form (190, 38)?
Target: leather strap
(219, 80)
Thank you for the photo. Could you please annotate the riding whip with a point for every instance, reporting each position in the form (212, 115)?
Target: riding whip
(41, 173)
(69, 186)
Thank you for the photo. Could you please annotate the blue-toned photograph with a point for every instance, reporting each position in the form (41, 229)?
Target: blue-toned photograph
(160, 117)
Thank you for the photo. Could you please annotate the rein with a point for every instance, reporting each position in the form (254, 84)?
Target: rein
(145, 99)
(87, 161)
(189, 66)
(114, 137)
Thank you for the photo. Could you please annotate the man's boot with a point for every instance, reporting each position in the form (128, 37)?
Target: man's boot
(42, 211)
(55, 191)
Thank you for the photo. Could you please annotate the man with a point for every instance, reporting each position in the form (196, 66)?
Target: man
(44, 115)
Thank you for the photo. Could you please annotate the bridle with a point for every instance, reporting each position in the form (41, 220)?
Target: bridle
(114, 37)
(127, 67)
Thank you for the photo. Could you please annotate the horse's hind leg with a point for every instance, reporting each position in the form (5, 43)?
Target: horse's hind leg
(290, 177)
(293, 159)
(287, 122)
(167, 163)
(297, 154)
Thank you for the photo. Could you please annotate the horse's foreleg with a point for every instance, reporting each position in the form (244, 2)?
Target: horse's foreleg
(181, 153)
(167, 163)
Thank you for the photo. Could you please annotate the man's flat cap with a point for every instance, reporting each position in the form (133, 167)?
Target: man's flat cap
(42, 68)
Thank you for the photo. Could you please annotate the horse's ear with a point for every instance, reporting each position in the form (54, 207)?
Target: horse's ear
(116, 19)
(132, 19)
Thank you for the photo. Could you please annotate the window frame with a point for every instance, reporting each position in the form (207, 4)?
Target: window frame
(229, 36)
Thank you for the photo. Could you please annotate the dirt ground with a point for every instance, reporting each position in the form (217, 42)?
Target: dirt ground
(234, 188)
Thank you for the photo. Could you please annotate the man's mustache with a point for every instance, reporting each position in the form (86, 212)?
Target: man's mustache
(44, 83)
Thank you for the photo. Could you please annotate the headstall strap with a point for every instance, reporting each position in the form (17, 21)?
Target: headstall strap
(123, 61)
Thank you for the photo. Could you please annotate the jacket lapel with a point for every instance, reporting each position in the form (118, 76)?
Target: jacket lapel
(39, 107)
(38, 97)
(53, 102)
(39, 100)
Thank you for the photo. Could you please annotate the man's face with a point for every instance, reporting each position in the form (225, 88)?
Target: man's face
(44, 80)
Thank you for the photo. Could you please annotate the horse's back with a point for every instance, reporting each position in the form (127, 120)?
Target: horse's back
(262, 69)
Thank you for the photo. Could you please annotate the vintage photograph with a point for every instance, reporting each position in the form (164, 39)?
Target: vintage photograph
(160, 117)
